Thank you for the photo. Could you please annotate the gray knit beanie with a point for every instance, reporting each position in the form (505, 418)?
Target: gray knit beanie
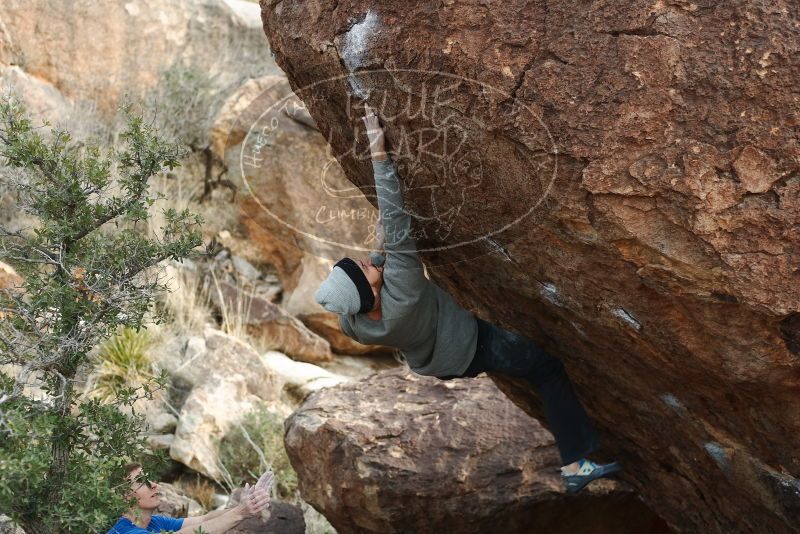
(346, 290)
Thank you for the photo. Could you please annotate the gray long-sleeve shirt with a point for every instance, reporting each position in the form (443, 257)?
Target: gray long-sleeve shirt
(436, 335)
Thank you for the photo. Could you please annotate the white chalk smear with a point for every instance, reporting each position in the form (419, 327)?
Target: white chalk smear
(356, 40)
(627, 317)
(356, 44)
(550, 292)
(717, 452)
(578, 328)
(672, 401)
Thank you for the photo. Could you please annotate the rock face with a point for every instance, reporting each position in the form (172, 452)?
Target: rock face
(98, 51)
(628, 174)
(210, 411)
(273, 324)
(218, 354)
(7, 527)
(283, 193)
(402, 453)
(283, 518)
(300, 379)
(174, 503)
(8, 276)
(41, 98)
(286, 197)
(222, 380)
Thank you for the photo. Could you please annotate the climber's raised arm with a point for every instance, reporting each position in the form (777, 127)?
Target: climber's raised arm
(403, 265)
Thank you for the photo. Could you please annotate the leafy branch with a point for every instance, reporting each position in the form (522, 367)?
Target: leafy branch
(88, 268)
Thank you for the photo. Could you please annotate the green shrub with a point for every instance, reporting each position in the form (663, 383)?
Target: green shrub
(253, 446)
(187, 99)
(88, 269)
(123, 362)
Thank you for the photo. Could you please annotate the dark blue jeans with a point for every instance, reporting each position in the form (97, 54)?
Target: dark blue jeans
(503, 352)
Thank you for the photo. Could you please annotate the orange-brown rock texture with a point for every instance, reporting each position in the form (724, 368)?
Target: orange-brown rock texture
(282, 194)
(397, 452)
(617, 180)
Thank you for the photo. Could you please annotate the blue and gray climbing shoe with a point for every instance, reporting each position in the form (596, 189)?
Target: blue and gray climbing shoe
(588, 471)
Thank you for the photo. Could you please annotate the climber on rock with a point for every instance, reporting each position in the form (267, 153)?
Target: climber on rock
(391, 302)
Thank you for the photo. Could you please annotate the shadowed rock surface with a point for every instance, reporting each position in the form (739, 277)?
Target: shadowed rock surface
(283, 518)
(626, 176)
(402, 453)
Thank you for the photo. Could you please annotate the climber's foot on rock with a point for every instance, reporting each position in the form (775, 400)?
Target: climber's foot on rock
(577, 475)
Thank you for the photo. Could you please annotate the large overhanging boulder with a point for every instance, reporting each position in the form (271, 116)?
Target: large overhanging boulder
(619, 181)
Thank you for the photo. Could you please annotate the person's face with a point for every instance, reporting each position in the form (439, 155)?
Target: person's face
(145, 492)
(374, 274)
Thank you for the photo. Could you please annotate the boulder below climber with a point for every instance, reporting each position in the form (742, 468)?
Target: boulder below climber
(398, 452)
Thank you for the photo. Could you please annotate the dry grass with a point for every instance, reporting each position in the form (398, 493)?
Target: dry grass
(234, 314)
(199, 489)
(234, 311)
(254, 446)
(182, 189)
(173, 190)
(186, 303)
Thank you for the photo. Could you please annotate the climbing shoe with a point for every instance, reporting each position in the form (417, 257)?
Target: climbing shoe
(588, 471)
